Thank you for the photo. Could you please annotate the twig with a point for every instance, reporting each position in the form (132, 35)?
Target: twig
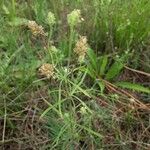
(138, 71)
(121, 91)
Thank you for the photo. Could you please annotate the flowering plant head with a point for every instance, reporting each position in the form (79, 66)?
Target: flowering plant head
(35, 28)
(51, 20)
(46, 70)
(81, 48)
(74, 18)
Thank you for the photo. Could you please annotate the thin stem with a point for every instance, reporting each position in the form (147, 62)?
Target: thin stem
(13, 9)
(70, 43)
(137, 71)
(50, 33)
(59, 100)
(49, 38)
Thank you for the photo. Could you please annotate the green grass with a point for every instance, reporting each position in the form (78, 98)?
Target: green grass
(96, 103)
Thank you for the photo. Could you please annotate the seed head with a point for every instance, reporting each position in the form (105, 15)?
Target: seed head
(51, 20)
(35, 28)
(46, 70)
(81, 48)
(74, 17)
(53, 49)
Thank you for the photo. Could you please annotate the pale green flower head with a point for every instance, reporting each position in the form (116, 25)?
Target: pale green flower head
(51, 20)
(54, 49)
(74, 17)
(83, 110)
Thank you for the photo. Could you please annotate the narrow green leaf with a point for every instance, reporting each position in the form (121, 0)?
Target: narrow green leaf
(90, 131)
(114, 70)
(103, 64)
(93, 58)
(91, 72)
(5, 9)
(133, 86)
(18, 21)
(102, 86)
(80, 89)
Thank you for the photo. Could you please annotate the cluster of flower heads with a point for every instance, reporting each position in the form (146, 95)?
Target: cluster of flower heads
(51, 20)
(46, 70)
(74, 17)
(81, 48)
(35, 28)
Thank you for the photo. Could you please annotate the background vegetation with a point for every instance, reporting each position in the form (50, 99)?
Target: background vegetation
(96, 93)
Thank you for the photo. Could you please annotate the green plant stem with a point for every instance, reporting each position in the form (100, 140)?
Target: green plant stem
(13, 9)
(59, 100)
(49, 38)
(70, 43)
(50, 33)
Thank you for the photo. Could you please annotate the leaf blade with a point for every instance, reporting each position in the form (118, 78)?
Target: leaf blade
(103, 64)
(93, 58)
(114, 70)
(133, 86)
